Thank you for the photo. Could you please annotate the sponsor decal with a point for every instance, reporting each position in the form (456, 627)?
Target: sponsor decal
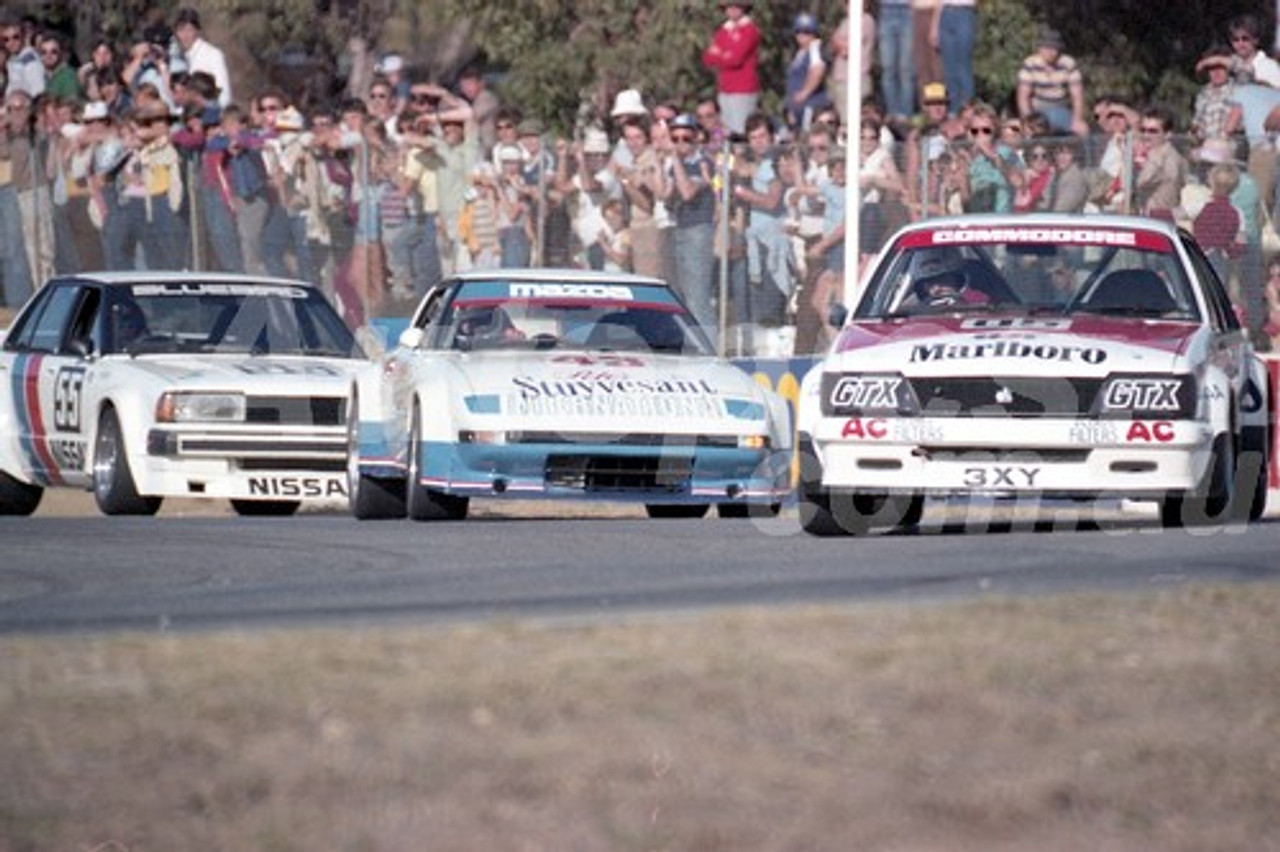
(1064, 354)
(297, 487)
(865, 392)
(1159, 432)
(1143, 395)
(1000, 476)
(1063, 236)
(865, 430)
(212, 288)
(531, 388)
(1092, 432)
(267, 368)
(616, 397)
(614, 292)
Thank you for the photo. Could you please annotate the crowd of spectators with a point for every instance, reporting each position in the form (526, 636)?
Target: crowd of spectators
(150, 155)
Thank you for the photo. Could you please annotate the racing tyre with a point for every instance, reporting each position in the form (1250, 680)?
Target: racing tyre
(18, 498)
(424, 504)
(1216, 499)
(667, 511)
(265, 508)
(748, 510)
(814, 502)
(1251, 474)
(113, 486)
(371, 498)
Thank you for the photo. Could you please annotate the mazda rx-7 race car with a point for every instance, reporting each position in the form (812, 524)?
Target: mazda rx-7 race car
(1036, 357)
(562, 384)
(142, 386)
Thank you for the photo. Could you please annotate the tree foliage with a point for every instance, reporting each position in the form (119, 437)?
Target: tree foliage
(564, 59)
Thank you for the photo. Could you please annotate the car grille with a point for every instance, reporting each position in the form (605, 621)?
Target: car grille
(633, 439)
(1006, 397)
(619, 474)
(297, 410)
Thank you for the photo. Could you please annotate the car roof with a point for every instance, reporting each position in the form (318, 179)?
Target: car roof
(559, 276)
(121, 279)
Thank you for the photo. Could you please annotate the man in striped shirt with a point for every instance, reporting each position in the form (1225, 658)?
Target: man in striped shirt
(1050, 83)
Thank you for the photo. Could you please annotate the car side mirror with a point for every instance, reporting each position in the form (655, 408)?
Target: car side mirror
(81, 347)
(837, 314)
(412, 337)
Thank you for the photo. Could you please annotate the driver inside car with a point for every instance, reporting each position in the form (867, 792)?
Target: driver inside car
(487, 327)
(941, 280)
(129, 324)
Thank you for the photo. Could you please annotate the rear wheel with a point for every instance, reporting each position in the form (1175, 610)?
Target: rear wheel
(421, 503)
(265, 508)
(113, 486)
(668, 511)
(18, 498)
(1251, 472)
(369, 498)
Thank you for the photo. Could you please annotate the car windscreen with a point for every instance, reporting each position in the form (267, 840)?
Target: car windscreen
(590, 317)
(220, 317)
(1031, 270)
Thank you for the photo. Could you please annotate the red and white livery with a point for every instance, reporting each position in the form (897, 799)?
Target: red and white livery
(1036, 356)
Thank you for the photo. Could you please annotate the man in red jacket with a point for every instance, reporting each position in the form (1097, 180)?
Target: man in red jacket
(733, 54)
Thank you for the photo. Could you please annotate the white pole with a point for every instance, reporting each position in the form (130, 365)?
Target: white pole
(853, 141)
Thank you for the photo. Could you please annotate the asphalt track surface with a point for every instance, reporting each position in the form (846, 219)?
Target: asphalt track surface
(92, 574)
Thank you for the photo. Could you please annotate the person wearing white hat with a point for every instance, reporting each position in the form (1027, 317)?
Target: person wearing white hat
(515, 230)
(590, 187)
(734, 55)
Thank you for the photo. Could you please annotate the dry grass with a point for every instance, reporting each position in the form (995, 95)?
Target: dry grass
(1090, 723)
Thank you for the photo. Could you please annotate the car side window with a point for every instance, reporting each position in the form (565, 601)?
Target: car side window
(1222, 313)
(85, 337)
(44, 328)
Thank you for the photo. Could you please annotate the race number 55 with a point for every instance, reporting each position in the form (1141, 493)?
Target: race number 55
(66, 399)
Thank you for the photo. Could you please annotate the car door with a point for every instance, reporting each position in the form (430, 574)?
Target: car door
(51, 353)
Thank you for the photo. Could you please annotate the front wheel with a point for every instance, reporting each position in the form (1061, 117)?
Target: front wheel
(748, 510)
(369, 498)
(18, 498)
(1215, 501)
(422, 503)
(113, 487)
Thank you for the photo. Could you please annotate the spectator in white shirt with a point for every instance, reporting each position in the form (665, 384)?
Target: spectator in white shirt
(199, 54)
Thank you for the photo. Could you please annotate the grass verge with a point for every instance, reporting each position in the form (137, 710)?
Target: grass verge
(1100, 723)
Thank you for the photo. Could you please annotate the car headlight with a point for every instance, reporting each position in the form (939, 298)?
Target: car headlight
(196, 407)
(1147, 397)
(861, 394)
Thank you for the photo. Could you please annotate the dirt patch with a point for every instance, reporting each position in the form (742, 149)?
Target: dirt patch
(1116, 723)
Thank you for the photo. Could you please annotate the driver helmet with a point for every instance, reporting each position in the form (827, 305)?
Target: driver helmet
(938, 266)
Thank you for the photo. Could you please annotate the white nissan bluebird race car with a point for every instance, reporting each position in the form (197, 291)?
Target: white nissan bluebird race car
(141, 386)
(562, 384)
(1036, 357)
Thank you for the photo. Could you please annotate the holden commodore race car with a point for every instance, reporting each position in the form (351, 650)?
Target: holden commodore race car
(1036, 357)
(142, 386)
(562, 384)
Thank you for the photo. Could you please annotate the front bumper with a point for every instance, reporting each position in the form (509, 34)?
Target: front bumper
(984, 456)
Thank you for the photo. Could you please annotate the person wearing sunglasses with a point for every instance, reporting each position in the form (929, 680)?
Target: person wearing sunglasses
(995, 170)
(24, 69)
(685, 185)
(60, 79)
(1250, 64)
(1161, 169)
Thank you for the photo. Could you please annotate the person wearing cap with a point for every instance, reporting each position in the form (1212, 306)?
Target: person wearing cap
(515, 227)
(199, 54)
(1217, 115)
(1050, 83)
(806, 74)
(686, 188)
(149, 191)
(734, 56)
